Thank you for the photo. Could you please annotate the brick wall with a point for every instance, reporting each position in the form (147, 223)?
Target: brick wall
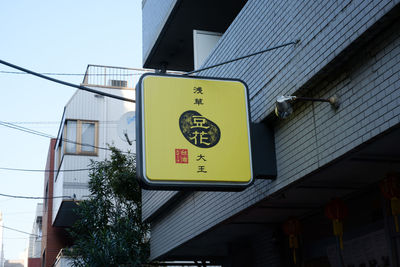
(53, 238)
(33, 262)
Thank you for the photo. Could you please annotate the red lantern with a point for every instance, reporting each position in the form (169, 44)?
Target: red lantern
(292, 228)
(390, 188)
(337, 211)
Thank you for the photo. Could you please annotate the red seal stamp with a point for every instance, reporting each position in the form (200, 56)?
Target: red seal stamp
(181, 156)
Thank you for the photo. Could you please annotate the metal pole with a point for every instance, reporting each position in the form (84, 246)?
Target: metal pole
(312, 99)
(243, 57)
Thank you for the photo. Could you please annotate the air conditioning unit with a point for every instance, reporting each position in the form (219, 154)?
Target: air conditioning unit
(119, 83)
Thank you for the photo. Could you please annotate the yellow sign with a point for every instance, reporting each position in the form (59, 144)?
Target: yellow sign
(194, 132)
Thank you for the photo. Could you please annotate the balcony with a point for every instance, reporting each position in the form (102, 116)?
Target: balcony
(62, 260)
(168, 29)
(112, 77)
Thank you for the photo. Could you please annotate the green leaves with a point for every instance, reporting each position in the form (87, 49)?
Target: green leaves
(109, 231)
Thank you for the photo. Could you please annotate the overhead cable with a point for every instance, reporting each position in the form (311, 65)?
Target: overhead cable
(28, 197)
(36, 170)
(75, 74)
(24, 129)
(27, 130)
(53, 122)
(16, 230)
(80, 87)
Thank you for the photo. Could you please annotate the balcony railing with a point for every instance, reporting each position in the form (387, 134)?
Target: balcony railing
(62, 260)
(112, 77)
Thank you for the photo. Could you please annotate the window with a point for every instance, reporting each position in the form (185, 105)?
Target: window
(46, 196)
(58, 155)
(71, 129)
(80, 137)
(88, 137)
(204, 43)
(39, 228)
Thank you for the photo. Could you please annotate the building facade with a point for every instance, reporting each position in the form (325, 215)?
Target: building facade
(35, 239)
(90, 123)
(54, 238)
(348, 49)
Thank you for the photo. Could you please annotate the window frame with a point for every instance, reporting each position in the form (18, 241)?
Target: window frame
(39, 224)
(78, 145)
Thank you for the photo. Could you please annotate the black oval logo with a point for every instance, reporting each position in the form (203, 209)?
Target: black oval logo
(199, 130)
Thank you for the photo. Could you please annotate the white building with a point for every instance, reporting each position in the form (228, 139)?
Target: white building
(89, 124)
(35, 239)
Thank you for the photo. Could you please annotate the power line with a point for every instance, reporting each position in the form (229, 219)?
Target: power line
(16, 230)
(24, 129)
(6, 214)
(84, 88)
(47, 124)
(13, 238)
(28, 197)
(52, 122)
(33, 122)
(30, 131)
(36, 170)
(75, 74)
(23, 232)
(80, 87)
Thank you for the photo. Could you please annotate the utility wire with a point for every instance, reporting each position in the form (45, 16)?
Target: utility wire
(75, 74)
(36, 170)
(84, 88)
(27, 130)
(16, 230)
(14, 238)
(6, 214)
(80, 87)
(28, 197)
(24, 129)
(48, 124)
(52, 122)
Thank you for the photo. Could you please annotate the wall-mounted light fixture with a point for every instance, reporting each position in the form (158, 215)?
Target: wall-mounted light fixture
(283, 104)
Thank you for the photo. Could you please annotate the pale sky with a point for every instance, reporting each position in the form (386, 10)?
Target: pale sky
(58, 37)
